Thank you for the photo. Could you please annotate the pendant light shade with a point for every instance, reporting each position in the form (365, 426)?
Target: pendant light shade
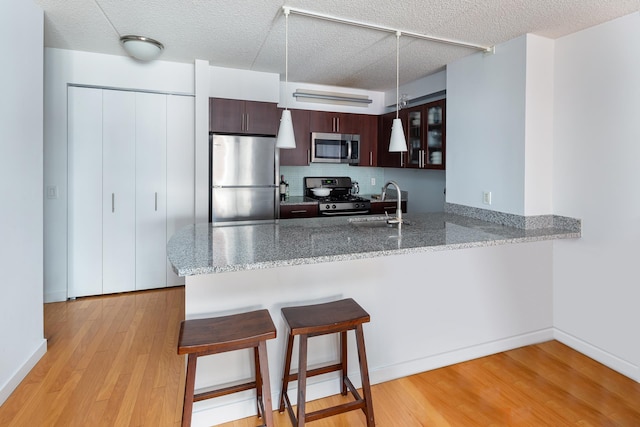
(398, 142)
(142, 48)
(286, 136)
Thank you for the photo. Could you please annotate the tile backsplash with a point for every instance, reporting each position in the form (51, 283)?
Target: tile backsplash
(363, 175)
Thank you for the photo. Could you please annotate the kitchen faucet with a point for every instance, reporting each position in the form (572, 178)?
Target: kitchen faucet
(398, 218)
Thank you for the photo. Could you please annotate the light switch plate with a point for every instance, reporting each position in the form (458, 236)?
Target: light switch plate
(52, 191)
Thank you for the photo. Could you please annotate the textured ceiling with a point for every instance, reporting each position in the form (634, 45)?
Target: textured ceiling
(250, 34)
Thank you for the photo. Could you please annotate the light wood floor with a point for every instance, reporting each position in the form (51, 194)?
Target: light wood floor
(112, 362)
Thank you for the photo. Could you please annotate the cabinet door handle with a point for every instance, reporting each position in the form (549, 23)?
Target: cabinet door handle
(113, 202)
(156, 201)
(308, 156)
(370, 158)
(299, 211)
(337, 124)
(246, 128)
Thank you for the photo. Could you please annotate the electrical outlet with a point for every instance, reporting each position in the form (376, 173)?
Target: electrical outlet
(373, 181)
(486, 197)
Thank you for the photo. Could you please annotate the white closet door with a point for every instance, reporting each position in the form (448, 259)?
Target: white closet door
(118, 156)
(151, 184)
(180, 170)
(84, 120)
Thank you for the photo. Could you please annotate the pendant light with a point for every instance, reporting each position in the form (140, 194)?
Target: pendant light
(286, 137)
(398, 142)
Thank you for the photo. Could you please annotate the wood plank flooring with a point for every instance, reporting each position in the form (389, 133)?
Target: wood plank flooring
(112, 362)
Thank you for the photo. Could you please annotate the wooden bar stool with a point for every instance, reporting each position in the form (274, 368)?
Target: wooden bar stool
(202, 337)
(320, 319)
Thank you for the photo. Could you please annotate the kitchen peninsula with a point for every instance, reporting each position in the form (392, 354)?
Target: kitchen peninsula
(441, 289)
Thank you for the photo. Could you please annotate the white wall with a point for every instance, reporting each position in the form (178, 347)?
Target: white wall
(538, 176)
(500, 127)
(486, 128)
(243, 84)
(21, 313)
(426, 312)
(596, 178)
(64, 67)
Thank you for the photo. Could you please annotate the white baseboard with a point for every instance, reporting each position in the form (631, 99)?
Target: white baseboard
(229, 408)
(380, 375)
(622, 366)
(21, 373)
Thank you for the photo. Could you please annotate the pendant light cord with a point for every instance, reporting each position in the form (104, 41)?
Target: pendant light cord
(286, 56)
(397, 73)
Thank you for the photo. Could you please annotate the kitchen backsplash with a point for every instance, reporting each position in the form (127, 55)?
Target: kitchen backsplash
(363, 175)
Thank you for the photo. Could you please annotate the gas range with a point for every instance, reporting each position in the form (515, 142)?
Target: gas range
(340, 201)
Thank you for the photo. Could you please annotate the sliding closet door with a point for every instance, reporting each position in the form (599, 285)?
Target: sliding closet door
(151, 194)
(84, 115)
(118, 194)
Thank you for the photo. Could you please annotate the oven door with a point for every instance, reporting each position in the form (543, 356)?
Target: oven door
(330, 148)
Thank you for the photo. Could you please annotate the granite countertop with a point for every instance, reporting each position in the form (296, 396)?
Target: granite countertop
(203, 248)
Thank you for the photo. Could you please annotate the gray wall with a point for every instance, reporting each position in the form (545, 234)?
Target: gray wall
(21, 247)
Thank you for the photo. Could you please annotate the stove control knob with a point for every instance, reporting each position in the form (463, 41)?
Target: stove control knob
(327, 207)
(357, 205)
(333, 207)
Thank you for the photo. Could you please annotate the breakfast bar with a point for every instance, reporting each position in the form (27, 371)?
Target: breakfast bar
(440, 289)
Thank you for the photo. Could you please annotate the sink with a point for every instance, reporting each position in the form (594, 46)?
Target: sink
(374, 222)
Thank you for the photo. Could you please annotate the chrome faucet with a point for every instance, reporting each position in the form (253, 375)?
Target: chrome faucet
(398, 218)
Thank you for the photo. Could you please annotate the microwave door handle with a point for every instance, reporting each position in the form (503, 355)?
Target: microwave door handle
(349, 150)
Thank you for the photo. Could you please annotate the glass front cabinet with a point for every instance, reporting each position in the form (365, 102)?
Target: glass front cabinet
(425, 131)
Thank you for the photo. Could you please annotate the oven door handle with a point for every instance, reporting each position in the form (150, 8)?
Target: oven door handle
(345, 213)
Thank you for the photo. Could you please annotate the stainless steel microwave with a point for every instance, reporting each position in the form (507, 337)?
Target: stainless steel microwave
(335, 148)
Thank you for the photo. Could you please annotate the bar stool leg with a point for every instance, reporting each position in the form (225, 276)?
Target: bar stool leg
(187, 407)
(285, 372)
(256, 361)
(364, 374)
(302, 380)
(343, 361)
(267, 413)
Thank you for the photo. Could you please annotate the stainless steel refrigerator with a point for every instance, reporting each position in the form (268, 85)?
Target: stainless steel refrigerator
(244, 174)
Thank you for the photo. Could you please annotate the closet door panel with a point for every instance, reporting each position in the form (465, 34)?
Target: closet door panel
(85, 191)
(118, 149)
(180, 170)
(151, 183)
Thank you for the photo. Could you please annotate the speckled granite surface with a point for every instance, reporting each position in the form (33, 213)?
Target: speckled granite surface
(518, 221)
(204, 249)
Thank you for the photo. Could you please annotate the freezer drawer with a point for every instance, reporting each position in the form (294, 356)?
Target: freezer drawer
(243, 204)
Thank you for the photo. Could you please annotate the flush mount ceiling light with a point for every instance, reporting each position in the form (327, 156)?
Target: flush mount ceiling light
(286, 137)
(142, 48)
(398, 142)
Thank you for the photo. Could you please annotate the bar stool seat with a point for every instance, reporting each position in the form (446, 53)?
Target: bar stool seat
(320, 319)
(202, 337)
